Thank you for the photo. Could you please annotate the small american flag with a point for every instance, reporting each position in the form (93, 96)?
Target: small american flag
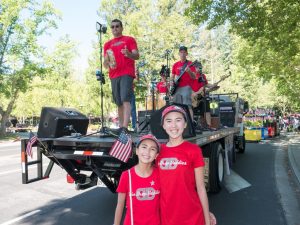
(122, 147)
(32, 140)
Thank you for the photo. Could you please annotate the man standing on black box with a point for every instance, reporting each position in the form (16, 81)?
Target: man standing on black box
(119, 56)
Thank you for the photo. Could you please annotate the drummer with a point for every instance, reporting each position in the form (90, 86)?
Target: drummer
(162, 89)
(161, 86)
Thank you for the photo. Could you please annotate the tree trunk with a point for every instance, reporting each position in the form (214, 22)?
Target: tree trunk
(4, 119)
(6, 113)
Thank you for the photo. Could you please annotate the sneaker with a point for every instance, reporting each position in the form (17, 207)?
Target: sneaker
(124, 129)
(114, 132)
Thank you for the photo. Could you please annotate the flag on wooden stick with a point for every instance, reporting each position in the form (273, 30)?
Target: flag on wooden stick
(122, 147)
(32, 140)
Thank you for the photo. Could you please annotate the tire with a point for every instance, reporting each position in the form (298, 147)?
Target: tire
(216, 168)
(242, 145)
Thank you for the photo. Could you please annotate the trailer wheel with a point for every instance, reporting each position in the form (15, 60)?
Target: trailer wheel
(242, 146)
(216, 168)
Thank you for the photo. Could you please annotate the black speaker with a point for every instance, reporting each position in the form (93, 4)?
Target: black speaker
(58, 122)
(144, 120)
(158, 131)
(227, 113)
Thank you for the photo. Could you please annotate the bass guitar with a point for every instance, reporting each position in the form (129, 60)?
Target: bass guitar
(176, 81)
(204, 89)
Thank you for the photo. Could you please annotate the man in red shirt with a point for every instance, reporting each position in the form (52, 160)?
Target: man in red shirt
(183, 94)
(119, 56)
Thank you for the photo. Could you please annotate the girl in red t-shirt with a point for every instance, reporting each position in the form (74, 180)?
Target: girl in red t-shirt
(139, 187)
(181, 166)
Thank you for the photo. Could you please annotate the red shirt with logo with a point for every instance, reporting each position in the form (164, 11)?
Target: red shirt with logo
(161, 87)
(145, 198)
(180, 203)
(196, 85)
(186, 79)
(121, 65)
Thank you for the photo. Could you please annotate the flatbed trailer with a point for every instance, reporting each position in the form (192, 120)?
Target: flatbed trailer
(86, 159)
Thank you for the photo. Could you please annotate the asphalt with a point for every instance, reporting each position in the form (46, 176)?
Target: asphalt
(294, 155)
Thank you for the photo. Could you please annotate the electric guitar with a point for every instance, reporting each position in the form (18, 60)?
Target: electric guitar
(213, 87)
(176, 81)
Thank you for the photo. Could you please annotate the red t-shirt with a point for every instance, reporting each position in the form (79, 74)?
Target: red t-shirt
(186, 79)
(161, 87)
(145, 198)
(180, 203)
(197, 85)
(122, 64)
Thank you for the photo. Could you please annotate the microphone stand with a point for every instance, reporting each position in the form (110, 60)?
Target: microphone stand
(167, 75)
(202, 80)
(100, 76)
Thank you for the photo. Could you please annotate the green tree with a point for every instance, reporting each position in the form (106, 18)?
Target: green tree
(271, 30)
(21, 23)
(56, 87)
(157, 26)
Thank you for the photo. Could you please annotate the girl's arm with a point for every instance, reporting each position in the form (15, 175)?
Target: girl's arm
(199, 176)
(119, 208)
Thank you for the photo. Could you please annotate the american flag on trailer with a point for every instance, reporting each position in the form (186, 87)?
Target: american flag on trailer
(32, 140)
(122, 147)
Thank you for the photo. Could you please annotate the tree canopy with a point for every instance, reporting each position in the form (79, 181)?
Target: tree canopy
(271, 33)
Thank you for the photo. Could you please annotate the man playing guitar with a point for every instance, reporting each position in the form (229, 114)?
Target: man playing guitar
(183, 93)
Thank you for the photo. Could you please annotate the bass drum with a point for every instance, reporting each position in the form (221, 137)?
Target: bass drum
(149, 104)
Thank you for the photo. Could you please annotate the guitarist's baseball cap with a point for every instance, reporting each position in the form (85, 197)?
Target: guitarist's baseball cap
(182, 48)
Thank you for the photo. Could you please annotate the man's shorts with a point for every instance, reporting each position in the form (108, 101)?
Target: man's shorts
(122, 89)
(183, 95)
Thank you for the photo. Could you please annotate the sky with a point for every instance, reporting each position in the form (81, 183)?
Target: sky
(79, 21)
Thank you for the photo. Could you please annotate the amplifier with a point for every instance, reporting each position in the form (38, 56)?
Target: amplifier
(58, 122)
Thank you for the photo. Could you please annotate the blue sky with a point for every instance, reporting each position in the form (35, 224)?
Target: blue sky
(79, 21)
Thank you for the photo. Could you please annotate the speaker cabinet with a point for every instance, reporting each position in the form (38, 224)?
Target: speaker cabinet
(157, 129)
(227, 113)
(58, 122)
(144, 120)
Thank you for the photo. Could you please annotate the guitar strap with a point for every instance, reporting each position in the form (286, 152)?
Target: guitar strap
(184, 66)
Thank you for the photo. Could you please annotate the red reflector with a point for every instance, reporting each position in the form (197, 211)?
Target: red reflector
(87, 153)
(70, 179)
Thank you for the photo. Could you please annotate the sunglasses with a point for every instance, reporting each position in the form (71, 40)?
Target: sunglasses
(115, 26)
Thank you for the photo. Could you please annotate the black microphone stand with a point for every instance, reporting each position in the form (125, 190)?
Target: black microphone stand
(99, 74)
(100, 77)
(167, 75)
(202, 80)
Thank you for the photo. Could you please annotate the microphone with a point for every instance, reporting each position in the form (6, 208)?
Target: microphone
(201, 78)
(101, 28)
(100, 76)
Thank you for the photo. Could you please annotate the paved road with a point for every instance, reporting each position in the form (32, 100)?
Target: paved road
(55, 202)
